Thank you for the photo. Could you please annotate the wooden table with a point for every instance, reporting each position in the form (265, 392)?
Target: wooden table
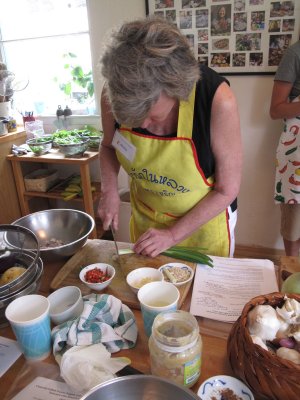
(54, 157)
(214, 336)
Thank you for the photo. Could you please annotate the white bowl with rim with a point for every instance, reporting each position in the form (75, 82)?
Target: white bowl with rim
(177, 273)
(214, 386)
(106, 269)
(140, 276)
(66, 304)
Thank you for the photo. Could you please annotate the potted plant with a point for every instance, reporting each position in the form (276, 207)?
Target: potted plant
(78, 85)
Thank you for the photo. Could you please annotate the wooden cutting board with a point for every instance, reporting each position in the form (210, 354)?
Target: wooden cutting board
(104, 251)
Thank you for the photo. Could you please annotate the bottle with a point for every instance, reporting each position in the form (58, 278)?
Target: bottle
(175, 347)
(59, 112)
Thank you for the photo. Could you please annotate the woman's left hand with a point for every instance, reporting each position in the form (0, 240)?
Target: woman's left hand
(153, 242)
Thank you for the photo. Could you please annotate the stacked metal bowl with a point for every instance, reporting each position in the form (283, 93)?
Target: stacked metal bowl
(60, 232)
(19, 249)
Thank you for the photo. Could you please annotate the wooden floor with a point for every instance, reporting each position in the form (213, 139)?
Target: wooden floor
(258, 252)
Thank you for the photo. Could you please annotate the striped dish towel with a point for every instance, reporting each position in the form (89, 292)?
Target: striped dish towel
(104, 319)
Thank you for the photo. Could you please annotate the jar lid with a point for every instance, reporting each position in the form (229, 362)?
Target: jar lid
(176, 329)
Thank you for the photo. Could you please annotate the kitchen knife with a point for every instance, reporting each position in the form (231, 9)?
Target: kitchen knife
(114, 238)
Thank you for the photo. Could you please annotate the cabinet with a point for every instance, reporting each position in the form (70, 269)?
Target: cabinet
(55, 157)
(9, 203)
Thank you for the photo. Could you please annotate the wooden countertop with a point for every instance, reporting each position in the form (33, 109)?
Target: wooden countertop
(214, 337)
(54, 156)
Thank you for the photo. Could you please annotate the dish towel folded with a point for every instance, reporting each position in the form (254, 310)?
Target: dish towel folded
(105, 319)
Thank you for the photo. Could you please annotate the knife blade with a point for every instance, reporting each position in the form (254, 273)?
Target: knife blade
(114, 238)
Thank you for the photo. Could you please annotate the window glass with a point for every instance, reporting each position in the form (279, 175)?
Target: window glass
(49, 43)
(36, 18)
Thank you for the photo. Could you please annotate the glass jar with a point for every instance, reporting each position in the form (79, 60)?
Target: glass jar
(175, 347)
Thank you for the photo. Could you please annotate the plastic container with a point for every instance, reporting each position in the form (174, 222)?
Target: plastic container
(176, 347)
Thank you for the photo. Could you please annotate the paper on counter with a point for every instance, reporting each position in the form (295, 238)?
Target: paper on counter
(9, 353)
(220, 293)
(47, 389)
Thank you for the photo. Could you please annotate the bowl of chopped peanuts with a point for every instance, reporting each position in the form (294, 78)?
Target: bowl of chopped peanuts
(177, 273)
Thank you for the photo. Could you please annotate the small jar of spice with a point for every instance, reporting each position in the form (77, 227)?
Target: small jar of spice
(175, 347)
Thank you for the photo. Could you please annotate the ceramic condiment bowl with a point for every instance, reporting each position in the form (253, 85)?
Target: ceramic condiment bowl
(177, 273)
(105, 268)
(66, 304)
(140, 276)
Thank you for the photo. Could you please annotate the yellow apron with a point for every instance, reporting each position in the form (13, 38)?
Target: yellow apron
(167, 182)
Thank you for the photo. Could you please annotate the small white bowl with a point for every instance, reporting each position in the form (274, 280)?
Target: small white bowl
(183, 268)
(66, 304)
(140, 276)
(213, 387)
(109, 269)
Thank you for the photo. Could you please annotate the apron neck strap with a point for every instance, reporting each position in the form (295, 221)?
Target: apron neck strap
(186, 116)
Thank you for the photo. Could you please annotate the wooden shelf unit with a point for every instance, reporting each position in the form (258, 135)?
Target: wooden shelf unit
(55, 157)
(9, 202)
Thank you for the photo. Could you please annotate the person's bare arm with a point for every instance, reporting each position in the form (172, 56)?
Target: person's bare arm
(280, 105)
(108, 208)
(227, 149)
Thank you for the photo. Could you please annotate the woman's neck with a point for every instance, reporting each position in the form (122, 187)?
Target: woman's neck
(168, 126)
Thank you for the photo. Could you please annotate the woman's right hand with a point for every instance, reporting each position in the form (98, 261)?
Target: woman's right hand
(108, 210)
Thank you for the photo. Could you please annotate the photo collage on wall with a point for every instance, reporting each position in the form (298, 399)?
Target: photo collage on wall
(235, 36)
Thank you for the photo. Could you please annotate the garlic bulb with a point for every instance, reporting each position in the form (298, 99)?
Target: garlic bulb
(289, 354)
(262, 321)
(257, 340)
(290, 311)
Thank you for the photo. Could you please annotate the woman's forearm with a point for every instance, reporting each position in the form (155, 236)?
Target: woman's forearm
(208, 208)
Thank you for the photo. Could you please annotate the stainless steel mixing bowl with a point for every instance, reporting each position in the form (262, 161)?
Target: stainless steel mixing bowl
(137, 387)
(67, 229)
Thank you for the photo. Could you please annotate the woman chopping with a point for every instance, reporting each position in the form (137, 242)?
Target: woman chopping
(174, 127)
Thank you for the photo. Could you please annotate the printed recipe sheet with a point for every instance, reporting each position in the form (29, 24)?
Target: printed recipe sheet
(221, 292)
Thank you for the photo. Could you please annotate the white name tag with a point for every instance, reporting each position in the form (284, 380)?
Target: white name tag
(121, 144)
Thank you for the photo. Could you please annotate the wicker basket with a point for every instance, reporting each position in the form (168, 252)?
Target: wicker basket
(268, 376)
(40, 180)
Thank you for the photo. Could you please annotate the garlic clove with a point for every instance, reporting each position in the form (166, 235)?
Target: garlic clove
(294, 331)
(257, 340)
(289, 354)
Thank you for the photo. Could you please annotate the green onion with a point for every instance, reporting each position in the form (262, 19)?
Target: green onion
(192, 254)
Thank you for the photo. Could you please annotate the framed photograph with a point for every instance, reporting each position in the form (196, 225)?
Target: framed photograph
(234, 36)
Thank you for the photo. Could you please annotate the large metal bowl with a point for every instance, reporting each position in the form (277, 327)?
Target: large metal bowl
(74, 149)
(137, 387)
(67, 229)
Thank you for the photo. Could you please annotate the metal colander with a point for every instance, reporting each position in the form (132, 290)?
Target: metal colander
(18, 247)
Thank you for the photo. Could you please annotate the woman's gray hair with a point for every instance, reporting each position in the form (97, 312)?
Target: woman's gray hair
(147, 57)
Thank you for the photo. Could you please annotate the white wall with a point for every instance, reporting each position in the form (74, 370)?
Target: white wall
(259, 218)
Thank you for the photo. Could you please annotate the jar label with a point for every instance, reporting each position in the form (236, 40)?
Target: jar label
(192, 370)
